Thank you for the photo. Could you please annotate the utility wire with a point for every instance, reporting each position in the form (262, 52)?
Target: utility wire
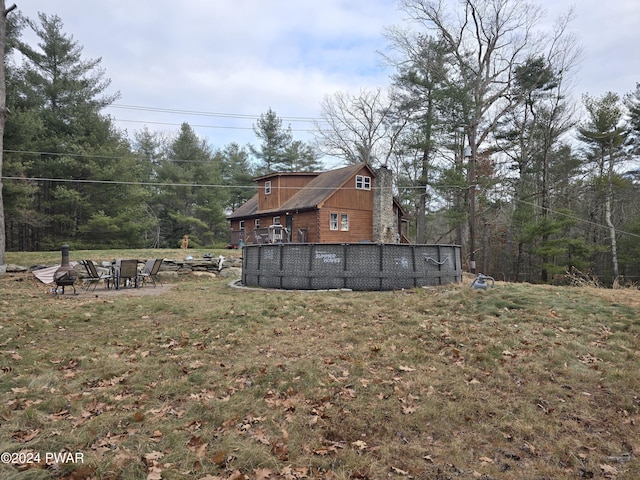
(202, 126)
(124, 182)
(578, 219)
(209, 114)
(162, 184)
(166, 184)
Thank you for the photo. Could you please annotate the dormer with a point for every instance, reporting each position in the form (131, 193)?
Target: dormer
(275, 189)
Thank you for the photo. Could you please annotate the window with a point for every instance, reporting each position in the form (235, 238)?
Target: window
(241, 224)
(363, 183)
(344, 222)
(257, 224)
(267, 187)
(276, 220)
(333, 221)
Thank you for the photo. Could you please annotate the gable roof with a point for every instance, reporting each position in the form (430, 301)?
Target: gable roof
(312, 195)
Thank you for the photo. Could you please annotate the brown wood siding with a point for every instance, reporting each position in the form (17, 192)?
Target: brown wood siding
(354, 199)
(305, 220)
(351, 197)
(268, 201)
(282, 189)
(360, 226)
(235, 225)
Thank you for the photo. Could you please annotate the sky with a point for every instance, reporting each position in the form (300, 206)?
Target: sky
(219, 64)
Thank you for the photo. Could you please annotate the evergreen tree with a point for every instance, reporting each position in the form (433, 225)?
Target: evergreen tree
(57, 97)
(605, 134)
(275, 140)
(237, 174)
(191, 199)
(423, 91)
(632, 102)
(300, 157)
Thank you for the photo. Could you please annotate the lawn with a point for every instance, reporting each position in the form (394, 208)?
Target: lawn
(205, 381)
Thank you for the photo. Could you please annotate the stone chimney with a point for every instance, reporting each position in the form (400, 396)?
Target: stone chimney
(385, 225)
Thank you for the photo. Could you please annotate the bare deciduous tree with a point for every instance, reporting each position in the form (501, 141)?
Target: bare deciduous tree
(358, 128)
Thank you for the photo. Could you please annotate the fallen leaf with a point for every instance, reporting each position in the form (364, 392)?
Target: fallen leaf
(220, 458)
(155, 473)
(399, 472)
(608, 469)
(151, 457)
(359, 444)
(23, 436)
(237, 475)
(403, 368)
(262, 473)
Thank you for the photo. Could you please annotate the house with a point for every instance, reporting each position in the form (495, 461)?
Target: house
(346, 205)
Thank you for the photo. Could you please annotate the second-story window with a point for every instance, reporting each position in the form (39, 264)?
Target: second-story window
(267, 187)
(241, 224)
(276, 220)
(363, 183)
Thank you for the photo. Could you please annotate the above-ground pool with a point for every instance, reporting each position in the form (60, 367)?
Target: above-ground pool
(353, 266)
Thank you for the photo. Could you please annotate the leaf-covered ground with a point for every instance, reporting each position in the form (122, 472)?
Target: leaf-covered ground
(210, 382)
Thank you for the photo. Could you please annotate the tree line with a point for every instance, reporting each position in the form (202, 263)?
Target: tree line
(72, 177)
(478, 125)
(489, 148)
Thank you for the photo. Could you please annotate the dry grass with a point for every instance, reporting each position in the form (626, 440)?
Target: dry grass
(209, 382)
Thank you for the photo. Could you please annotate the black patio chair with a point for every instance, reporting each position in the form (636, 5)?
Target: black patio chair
(127, 273)
(150, 271)
(94, 277)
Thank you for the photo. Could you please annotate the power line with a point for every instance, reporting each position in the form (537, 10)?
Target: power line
(108, 157)
(578, 219)
(161, 184)
(84, 155)
(202, 126)
(88, 155)
(167, 184)
(209, 114)
(124, 182)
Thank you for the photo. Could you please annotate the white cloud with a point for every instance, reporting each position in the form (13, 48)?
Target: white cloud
(244, 56)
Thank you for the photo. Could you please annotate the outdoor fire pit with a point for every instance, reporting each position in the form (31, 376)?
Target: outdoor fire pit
(65, 274)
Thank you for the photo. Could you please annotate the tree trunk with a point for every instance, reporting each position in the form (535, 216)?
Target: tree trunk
(485, 248)
(421, 227)
(3, 116)
(612, 228)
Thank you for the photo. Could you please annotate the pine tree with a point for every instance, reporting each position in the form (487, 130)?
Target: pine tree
(192, 201)
(57, 97)
(605, 135)
(275, 141)
(237, 174)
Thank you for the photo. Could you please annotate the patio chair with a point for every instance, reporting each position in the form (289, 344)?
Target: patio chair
(94, 277)
(150, 271)
(127, 273)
